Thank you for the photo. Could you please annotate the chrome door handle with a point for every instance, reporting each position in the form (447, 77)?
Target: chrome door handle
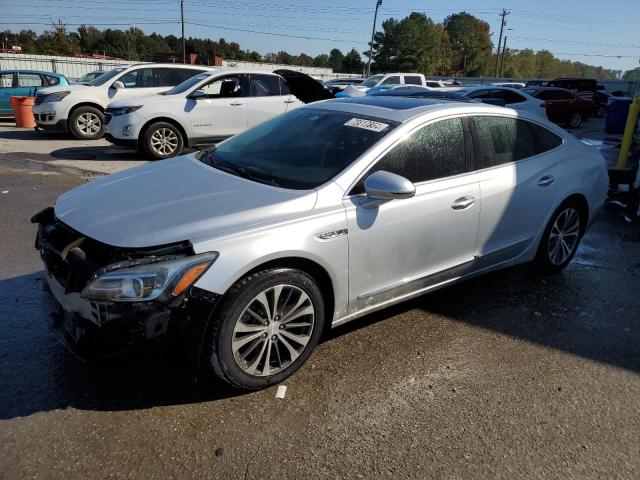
(290, 101)
(546, 180)
(235, 104)
(463, 203)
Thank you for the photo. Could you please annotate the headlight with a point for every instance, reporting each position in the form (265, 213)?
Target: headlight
(116, 112)
(148, 281)
(55, 97)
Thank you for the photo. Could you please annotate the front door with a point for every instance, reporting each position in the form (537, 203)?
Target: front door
(222, 112)
(7, 90)
(404, 246)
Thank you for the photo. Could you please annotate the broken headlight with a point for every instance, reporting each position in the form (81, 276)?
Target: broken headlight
(148, 280)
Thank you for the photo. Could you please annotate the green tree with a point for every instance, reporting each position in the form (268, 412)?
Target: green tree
(335, 60)
(470, 41)
(632, 75)
(321, 61)
(352, 62)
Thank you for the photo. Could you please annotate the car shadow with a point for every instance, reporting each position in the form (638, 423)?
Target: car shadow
(100, 152)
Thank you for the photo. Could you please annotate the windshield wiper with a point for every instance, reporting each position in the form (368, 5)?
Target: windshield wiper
(243, 172)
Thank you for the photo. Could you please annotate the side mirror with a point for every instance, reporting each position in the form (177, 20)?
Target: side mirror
(383, 186)
(196, 94)
(494, 101)
(118, 85)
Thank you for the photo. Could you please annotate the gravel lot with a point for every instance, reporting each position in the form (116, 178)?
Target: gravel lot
(506, 376)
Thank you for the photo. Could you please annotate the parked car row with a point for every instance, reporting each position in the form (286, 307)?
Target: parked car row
(25, 83)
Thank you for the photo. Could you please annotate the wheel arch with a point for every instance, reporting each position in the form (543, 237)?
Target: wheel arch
(583, 203)
(172, 121)
(80, 105)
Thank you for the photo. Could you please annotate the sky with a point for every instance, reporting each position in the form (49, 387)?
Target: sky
(589, 31)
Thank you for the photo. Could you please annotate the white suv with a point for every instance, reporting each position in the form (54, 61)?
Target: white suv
(201, 111)
(392, 79)
(80, 108)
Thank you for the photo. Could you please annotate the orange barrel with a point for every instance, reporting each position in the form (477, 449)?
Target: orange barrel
(22, 111)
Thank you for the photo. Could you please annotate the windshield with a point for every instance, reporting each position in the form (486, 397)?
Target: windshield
(301, 149)
(187, 84)
(371, 81)
(105, 77)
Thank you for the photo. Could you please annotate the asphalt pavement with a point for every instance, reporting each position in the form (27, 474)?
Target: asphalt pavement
(506, 376)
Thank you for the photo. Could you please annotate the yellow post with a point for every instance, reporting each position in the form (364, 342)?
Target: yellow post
(634, 108)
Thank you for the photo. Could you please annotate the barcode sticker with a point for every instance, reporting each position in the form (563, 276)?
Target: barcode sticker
(366, 124)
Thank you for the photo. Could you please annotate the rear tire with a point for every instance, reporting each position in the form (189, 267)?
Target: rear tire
(163, 140)
(575, 120)
(561, 238)
(265, 328)
(87, 123)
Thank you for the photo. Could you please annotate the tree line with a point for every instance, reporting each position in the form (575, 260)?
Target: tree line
(459, 46)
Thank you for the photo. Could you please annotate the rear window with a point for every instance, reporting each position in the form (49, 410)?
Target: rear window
(412, 80)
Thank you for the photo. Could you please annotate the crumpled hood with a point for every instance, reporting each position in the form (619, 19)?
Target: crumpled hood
(174, 200)
(63, 88)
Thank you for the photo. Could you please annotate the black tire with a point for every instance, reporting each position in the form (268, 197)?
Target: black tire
(83, 122)
(218, 348)
(575, 120)
(163, 140)
(544, 262)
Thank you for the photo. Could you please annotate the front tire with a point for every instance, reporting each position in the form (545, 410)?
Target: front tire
(163, 140)
(561, 238)
(87, 123)
(265, 328)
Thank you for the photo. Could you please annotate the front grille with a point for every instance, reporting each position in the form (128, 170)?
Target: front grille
(39, 98)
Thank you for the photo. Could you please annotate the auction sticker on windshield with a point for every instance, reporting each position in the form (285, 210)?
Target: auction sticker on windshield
(367, 124)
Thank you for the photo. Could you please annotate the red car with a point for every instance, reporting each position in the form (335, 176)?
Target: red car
(562, 105)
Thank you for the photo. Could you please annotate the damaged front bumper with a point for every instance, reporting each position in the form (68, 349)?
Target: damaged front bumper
(72, 262)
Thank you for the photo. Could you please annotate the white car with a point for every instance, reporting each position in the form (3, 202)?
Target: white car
(200, 111)
(504, 97)
(80, 108)
(392, 79)
(516, 85)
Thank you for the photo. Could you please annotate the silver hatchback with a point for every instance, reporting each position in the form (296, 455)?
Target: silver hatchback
(312, 219)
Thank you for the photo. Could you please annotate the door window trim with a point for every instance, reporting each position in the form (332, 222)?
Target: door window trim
(467, 144)
(471, 115)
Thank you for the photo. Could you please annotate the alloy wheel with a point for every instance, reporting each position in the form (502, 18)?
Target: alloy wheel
(88, 123)
(564, 236)
(273, 330)
(164, 141)
(575, 120)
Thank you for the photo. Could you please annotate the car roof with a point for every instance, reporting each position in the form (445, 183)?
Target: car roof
(485, 87)
(41, 72)
(171, 65)
(540, 88)
(398, 109)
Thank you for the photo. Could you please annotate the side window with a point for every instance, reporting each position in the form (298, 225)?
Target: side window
(29, 80)
(225, 87)
(499, 140)
(284, 88)
(6, 80)
(434, 151)
(564, 95)
(509, 96)
(395, 80)
(170, 77)
(141, 78)
(412, 80)
(545, 95)
(264, 85)
(52, 81)
(545, 139)
(481, 94)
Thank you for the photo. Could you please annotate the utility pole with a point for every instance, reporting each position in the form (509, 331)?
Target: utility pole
(504, 51)
(373, 32)
(184, 48)
(502, 24)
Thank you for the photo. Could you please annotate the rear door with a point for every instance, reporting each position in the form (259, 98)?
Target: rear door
(28, 84)
(265, 100)
(516, 168)
(222, 112)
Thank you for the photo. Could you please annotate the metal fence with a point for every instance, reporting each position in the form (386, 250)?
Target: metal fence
(72, 67)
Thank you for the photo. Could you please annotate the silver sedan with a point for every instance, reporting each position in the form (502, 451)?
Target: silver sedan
(312, 219)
